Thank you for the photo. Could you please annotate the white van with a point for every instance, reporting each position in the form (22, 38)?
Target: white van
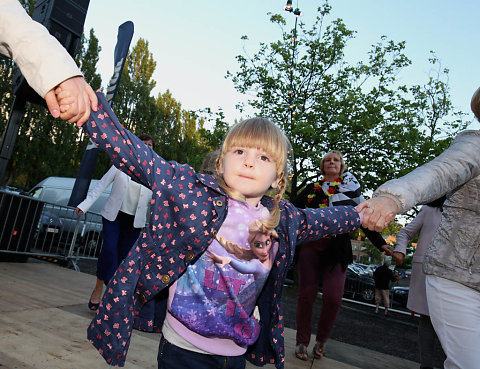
(58, 221)
(57, 190)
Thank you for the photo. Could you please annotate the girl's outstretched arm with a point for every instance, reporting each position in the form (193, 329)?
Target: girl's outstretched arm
(315, 224)
(127, 152)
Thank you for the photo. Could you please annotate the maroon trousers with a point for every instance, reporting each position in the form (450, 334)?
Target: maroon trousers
(311, 271)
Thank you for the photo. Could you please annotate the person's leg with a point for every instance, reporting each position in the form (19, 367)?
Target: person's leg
(455, 315)
(308, 281)
(105, 259)
(173, 357)
(128, 235)
(108, 258)
(378, 299)
(386, 300)
(426, 341)
(96, 295)
(333, 280)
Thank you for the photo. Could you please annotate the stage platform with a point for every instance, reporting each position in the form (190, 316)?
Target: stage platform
(44, 317)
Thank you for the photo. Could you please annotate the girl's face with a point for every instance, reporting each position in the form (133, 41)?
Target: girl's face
(332, 165)
(249, 171)
(260, 246)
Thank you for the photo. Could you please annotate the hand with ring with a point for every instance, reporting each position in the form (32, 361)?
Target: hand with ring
(378, 212)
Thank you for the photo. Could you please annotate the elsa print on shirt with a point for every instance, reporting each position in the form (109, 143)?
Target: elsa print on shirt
(221, 289)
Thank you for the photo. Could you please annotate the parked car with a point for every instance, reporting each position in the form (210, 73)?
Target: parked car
(400, 295)
(359, 268)
(358, 285)
(58, 222)
(11, 189)
(371, 268)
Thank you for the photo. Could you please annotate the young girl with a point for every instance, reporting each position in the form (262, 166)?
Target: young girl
(209, 321)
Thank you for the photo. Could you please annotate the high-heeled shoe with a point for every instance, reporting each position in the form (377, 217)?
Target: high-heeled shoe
(92, 305)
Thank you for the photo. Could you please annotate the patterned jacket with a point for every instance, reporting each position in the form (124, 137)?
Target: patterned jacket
(187, 211)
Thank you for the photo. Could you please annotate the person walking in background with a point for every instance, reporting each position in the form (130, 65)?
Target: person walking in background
(45, 64)
(123, 215)
(326, 260)
(383, 275)
(452, 262)
(425, 225)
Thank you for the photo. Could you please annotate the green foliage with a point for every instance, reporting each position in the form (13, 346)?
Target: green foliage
(372, 252)
(87, 58)
(407, 263)
(384, 129)
(213, 138)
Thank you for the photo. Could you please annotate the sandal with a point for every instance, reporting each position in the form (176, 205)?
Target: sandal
(301, 352)
(93, 306)
(319, 350)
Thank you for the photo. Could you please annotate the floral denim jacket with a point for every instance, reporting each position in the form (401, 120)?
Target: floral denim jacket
(187, 210)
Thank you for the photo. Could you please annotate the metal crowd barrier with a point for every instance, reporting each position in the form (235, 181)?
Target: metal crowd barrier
(30, 227)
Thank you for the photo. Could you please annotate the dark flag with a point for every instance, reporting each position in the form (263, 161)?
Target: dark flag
(89, 159)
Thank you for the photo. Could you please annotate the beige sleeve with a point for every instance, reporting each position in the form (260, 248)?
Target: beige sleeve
(42, 59)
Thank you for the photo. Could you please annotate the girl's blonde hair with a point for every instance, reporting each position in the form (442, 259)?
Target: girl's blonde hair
(263, 134)
(342, 162)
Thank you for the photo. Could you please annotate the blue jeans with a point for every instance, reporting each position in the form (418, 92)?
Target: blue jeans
(173, 357)
(118, 238)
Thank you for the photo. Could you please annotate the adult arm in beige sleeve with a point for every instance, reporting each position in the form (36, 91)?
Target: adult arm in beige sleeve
(44, 62)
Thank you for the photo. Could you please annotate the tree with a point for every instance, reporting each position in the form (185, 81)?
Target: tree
(374, 254)
(174, 129)
(213, 139)
(384, 129)
(180, 132)
(134, 105)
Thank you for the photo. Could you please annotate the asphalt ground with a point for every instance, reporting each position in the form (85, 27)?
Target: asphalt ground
(357, 324)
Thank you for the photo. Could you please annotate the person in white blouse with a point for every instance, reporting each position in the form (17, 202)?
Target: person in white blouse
(46, 65)
(124, 215)
(425, 225)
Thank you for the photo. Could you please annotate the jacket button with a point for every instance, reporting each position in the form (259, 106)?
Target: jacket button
(219, 203)
(142, 298)
(165, 279)
(190, 256)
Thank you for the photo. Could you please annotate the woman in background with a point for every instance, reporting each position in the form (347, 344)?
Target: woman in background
(326, 260)
(123, 215)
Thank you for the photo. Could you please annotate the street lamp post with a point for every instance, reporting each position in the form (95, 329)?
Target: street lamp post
(292, 105)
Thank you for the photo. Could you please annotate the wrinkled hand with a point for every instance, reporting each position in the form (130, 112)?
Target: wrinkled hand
(378, 212)
(398, 257)
(388, 250)
(71, 100)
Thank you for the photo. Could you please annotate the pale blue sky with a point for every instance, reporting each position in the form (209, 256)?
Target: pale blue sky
(195, 42)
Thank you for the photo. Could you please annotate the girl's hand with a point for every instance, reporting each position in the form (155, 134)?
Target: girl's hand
(81, 100)
(78, 211)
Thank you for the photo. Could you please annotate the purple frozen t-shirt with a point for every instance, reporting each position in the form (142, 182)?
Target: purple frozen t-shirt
(214, 299)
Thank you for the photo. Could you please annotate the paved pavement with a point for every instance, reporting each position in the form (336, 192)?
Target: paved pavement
(44, 315)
